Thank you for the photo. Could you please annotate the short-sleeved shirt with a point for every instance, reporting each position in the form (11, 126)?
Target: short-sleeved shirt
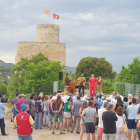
(66, 107)
(14, 101)
(39, 106)
(138, 117)
(109, 122)
(100, 113)
(19, 103)
(29, 103)
(77, 105)
(132, 111)
(90, 113)
(74, 99)
(2, 108)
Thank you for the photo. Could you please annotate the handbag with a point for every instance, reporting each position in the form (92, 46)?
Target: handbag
(125, 127)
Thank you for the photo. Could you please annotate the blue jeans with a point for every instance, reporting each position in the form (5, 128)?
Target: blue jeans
(28, 137)
(15, 112)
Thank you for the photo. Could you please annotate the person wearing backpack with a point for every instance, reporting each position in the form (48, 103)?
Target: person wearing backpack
(38, 112)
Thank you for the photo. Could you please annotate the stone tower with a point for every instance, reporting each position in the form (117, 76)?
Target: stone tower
(47, 43)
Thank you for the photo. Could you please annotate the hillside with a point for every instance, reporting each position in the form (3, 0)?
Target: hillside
(72, 69)
(5, 74)
(5, 65)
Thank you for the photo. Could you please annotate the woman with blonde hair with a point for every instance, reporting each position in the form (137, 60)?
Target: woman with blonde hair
(120, 135)
(82, 124)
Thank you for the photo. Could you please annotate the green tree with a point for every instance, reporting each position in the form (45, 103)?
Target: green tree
(34, 75)
(96, 66)
(3, 88)
(108, 86)
(130, 74)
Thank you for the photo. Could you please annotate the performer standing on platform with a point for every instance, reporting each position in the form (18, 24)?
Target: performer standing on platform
(99, 87)
(66, 83)
(81, 83)
(92, 84)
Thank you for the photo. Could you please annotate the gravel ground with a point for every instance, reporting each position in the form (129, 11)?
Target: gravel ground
(44, 134)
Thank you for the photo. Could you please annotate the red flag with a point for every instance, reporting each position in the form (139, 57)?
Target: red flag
(55, 16)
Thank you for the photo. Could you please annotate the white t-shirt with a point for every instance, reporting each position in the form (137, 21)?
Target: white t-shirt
(120, 121)
(100, 113)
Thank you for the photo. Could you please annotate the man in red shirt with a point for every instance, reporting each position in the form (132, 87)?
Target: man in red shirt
(24, 123)
(92, 84)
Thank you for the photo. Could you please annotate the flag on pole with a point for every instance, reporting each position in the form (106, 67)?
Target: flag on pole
(46, 12)
(55, 16)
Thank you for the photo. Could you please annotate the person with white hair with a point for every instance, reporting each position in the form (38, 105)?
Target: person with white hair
(41, 94)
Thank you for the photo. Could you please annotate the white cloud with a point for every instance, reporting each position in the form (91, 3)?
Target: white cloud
(109, 29)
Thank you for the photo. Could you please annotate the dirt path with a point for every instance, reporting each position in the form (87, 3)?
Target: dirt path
(44, 134)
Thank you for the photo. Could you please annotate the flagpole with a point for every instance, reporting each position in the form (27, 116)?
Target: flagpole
(52, 19)
(44, 18)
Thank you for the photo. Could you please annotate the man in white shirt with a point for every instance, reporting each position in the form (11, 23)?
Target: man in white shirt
(100, 125)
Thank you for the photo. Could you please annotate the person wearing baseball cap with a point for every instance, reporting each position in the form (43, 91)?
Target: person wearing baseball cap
(24, 122)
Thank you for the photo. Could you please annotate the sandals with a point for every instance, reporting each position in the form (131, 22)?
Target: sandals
(53, 133)
(61, 133)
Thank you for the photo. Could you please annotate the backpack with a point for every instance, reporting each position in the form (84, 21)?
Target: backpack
(36, 108)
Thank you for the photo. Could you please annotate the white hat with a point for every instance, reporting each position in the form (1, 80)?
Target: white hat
(114, 101)
(109, 98)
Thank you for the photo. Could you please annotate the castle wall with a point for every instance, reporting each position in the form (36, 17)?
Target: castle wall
(54, 51)
(47, 33)
(47, 43)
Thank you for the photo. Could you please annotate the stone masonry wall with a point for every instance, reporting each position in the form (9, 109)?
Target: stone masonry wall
(54, 51)
(47, 43)
(47, 33)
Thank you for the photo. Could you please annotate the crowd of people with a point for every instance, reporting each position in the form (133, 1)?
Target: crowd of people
(110, 116)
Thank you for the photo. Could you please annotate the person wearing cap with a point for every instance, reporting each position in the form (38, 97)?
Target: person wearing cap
(24, 123)
(29, 103)
(2, 124)
(19, 103)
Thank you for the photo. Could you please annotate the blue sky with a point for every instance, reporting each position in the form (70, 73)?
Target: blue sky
(109, 29)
